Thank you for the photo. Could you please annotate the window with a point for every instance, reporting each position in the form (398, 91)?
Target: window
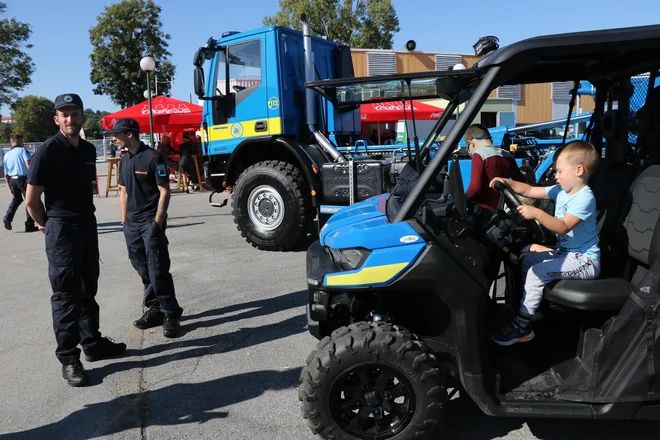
(244, 69)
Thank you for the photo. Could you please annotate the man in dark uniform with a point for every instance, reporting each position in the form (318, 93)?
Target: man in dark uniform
(145, 196)
(64, 168)
(16, 163)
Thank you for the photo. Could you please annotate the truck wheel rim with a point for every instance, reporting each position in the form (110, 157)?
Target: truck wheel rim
(265, 208)
(372, 401)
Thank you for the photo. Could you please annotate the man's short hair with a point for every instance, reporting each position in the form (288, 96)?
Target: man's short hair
(476, 131)
(15, 137)
(581, 153)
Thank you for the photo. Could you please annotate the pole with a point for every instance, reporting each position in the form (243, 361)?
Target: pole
(156, 81)
(151, 116)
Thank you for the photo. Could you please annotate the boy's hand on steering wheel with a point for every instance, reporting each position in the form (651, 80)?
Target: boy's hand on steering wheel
(497, 179)
(528, 212)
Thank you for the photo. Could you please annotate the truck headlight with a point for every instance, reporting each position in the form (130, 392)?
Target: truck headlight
(349, 259)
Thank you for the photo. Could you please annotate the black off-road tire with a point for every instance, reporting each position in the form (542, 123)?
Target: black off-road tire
(364, 344)
(288, 181)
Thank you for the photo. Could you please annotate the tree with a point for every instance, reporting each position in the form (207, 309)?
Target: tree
(126, 32)
(6, 131)
(17, 66)
(93, 123)
(357, 23)
(33, 118)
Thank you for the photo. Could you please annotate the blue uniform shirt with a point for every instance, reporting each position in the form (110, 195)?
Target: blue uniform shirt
(14, 161)
(583, 238)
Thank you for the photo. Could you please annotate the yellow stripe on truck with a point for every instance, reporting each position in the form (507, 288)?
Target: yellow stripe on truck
(244, 129)
(368, 275)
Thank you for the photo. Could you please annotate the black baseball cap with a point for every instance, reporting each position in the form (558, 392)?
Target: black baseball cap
(125, 124)
(68, 100)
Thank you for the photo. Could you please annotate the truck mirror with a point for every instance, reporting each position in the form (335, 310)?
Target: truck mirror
(200, 90)
(198, 61)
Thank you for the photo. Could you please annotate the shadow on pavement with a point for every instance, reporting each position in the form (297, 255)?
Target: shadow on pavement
(177, 404)
(111, 227)
(220, 343)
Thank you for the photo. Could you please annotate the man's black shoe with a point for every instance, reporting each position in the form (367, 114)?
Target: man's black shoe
(7, 224)
(31, 228)
(171, 327)
(74, 374)
(151, 318)
(104, 349)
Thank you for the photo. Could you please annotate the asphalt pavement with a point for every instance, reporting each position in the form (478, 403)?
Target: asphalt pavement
(233, 373)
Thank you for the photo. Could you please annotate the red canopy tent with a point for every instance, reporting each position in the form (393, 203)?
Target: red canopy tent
(394, 111)
(169, 115)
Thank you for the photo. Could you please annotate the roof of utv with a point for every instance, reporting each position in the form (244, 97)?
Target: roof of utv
(593, 55)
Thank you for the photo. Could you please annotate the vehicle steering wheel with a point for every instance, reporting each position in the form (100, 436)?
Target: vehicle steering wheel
(513, 202)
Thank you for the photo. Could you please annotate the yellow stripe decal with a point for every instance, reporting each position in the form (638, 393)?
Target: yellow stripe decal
(368, 275)
(244, 129)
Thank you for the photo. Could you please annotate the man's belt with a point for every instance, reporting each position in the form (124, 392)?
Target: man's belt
(15, 177)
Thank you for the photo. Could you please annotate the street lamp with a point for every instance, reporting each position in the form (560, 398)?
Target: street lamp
(148, 65)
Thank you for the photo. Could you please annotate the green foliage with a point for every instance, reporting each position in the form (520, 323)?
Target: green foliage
(93, 123)
(126, 32)
(357, 23)
(6, 130)
(33, 118)
(16, 67)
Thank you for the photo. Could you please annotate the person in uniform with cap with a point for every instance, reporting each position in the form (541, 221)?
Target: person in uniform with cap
(16, 163)
(144, 199)
(64, 168)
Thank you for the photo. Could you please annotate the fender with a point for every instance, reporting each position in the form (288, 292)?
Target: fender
(308, 165)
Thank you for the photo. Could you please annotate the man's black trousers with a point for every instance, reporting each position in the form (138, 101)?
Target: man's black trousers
(149, 255)
(73, 268)
(18, 187)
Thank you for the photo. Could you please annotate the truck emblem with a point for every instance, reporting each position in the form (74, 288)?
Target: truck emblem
(237, 130)
(274, 103)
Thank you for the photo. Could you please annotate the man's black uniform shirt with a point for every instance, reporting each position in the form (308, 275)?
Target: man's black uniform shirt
(141, 173)
(68, 175)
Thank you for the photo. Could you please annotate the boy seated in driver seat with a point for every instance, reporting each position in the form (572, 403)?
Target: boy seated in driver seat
(578, 253)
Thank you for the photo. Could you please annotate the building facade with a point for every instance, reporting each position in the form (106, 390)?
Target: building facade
(507, 105)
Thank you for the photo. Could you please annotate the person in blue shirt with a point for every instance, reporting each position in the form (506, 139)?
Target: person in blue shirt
(577, 255)
(16, 163)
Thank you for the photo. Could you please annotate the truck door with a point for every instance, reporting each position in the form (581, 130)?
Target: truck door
(241, 79)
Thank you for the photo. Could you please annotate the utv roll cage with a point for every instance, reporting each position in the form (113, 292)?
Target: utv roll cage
(601, 57)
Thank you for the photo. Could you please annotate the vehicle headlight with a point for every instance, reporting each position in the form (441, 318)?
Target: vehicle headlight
(349, 259)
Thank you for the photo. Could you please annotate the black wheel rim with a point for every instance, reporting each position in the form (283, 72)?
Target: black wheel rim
(372, 401)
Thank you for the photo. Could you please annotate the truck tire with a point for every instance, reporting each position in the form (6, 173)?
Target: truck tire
(271, 205)
(372, 381)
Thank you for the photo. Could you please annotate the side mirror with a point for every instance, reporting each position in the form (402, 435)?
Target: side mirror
(198, 61)
(200, 89)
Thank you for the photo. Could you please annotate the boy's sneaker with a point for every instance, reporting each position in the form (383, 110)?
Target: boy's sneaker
(519, 330)
(105, 348)
(31, 227)
(7, 224)
(151, 318)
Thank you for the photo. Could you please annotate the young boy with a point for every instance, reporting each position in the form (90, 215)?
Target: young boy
(578, 254)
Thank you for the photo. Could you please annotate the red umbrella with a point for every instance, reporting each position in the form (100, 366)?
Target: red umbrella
(169, 115)
(393, 111)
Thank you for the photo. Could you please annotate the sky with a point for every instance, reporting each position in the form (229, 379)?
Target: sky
(62, 48)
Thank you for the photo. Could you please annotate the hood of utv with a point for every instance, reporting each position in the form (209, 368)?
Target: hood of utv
(365, 224)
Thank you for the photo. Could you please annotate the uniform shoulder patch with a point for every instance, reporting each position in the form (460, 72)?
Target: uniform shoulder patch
(161, 169)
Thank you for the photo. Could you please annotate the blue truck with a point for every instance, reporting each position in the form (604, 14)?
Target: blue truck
(283, 152)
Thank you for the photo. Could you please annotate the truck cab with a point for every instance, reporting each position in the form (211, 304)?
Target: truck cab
(268, 140)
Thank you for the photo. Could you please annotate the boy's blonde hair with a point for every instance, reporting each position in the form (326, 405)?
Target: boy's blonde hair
(581, 153)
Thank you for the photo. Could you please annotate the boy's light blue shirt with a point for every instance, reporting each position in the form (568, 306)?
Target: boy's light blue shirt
(583, 238)
(14, 161)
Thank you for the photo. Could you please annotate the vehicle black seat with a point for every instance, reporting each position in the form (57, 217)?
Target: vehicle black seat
(643, 243)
